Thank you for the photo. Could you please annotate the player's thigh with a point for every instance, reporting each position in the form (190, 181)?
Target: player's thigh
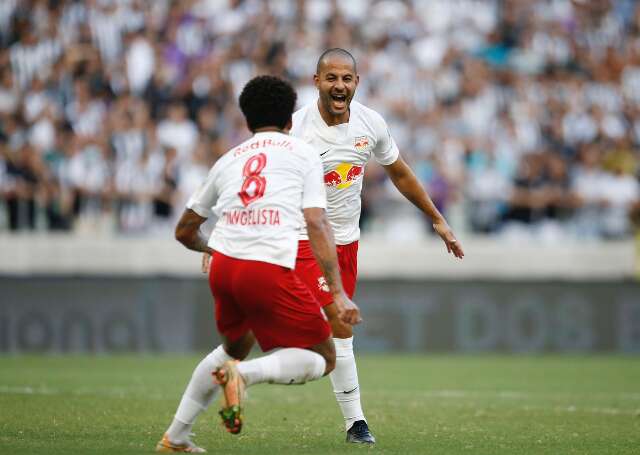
(280, 309)
(309, 272)
(231, 320)
(348, 262)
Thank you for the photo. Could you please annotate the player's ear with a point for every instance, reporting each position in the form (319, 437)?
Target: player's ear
(316, 80)
(357, 79)
(289, 125)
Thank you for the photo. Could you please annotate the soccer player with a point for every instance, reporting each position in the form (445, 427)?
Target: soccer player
(346, 135)
(263, 191)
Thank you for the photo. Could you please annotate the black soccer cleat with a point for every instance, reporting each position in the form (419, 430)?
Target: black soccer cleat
(359, 433)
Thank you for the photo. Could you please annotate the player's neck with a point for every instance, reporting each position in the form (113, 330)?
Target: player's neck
(333, 120)
(269, 129)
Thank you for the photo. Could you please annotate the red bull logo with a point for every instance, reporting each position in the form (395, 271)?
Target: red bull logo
(361, 143)
(343, 175)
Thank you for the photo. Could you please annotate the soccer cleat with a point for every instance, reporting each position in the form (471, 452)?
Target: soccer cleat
(359, 433)
(232, 383)
(166, 446)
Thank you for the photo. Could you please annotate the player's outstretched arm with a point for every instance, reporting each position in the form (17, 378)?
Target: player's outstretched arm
(408, 184)
(188, 232)
(324, 249)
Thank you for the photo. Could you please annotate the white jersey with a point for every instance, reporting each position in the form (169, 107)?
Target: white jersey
(258, 190)
(344, 150)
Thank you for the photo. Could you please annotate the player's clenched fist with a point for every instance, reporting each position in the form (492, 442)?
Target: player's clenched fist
(348, 311)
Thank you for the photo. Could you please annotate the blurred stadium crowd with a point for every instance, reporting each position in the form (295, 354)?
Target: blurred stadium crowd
(521, 118)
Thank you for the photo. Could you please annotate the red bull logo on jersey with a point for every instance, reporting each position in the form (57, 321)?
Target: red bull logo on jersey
(343, 175)
(361, 143)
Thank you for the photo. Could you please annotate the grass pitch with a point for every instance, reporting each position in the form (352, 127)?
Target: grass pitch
(415, 405)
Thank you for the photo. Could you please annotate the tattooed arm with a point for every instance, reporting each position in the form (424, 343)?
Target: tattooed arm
(188, 232)
(324, 249)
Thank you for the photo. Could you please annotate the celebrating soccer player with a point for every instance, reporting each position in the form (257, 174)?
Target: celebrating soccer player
(263, 191)
(346, 135)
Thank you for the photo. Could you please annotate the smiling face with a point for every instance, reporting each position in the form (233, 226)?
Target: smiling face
(336, 81)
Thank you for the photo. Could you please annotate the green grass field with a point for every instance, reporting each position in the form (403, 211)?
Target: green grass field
(415, 405)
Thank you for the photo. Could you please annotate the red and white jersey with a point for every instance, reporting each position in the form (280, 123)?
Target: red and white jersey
(258, 190)
(344, 150)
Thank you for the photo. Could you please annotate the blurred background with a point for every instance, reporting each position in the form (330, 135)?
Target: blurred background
(522, 119)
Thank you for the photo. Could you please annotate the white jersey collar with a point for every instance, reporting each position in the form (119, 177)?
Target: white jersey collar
(333, 134)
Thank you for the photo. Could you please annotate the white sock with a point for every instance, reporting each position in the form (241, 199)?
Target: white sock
(287, 366)
(199, 394)
(345, 382)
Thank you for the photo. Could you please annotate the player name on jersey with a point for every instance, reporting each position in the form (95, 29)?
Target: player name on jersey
(249, 217)
(258, 192)
(261, 143)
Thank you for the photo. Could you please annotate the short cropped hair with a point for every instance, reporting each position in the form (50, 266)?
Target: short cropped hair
(337, 51)
(267, 101)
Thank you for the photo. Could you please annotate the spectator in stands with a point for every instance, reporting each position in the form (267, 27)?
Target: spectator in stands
(505, 107)
(178, 131)
(621, 192)
(587, 188)
(24, 169)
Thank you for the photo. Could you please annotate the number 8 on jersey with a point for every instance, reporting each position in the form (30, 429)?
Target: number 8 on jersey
(251, 173)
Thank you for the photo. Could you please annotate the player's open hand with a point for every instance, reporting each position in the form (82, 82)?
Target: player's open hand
(446, 234)
(348, 312)
(206, 263)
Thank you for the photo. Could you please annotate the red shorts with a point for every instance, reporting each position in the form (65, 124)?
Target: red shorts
(267, 299)
(309, 271)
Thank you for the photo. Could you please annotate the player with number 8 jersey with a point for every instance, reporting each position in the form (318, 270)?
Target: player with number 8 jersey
(263, 192)
(254, 186)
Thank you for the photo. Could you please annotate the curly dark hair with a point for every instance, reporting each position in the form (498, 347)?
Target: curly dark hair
(267, 101)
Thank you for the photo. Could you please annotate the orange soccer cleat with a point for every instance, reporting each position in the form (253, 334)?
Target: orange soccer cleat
(167, 446)
(229, 378)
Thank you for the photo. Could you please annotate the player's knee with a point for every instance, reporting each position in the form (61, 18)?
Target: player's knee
(240, 348)
(340, 329)
(328, 353)
(330, 362)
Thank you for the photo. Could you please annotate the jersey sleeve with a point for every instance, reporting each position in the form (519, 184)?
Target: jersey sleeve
(314, 194)
(385, 151)
(205, 197)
